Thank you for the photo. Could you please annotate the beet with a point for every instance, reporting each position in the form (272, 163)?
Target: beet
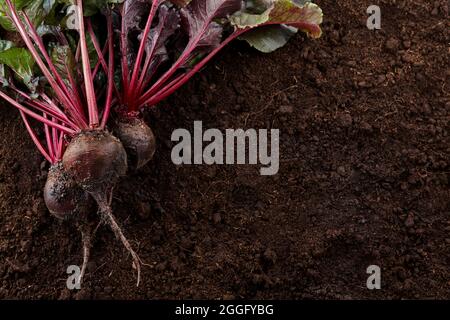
(96, 160)
(67, 201)
(63, 197)
(138, 139)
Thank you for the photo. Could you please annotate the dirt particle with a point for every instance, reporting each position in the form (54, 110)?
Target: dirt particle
(345, 119)
(15, 167)
(228, 297)
(217, 218)
(409, 222)
(408, 57)
(83, 294)
(392, 45)
(16, 266)
(186, 243)
(161, 266)
(175, 264)
(144, 210)
(270, 256)
(341, 171)
(365, 126)
(157, 237)
(258, 280)
(364, 84)
(286, 109)
(108, 290)
(64, 295)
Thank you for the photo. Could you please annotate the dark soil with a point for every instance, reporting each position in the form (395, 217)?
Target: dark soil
(364, 177)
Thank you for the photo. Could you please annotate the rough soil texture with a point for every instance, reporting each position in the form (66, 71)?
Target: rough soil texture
(364, 177)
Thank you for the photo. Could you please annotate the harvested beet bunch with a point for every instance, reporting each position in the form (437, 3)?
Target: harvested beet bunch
(86, 159)
(64, 79)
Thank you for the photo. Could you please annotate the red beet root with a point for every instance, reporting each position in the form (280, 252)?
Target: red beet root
(67, 201)
(96, 160)
(64, 199)
(138, 139)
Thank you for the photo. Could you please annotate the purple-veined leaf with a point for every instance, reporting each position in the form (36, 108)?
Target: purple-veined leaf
(155, 47)
(198, 20)
(133, 12)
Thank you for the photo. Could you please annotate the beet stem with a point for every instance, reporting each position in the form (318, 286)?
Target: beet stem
(87, 72)
(111, 84)
(60, 93)
(99, 62)
(35, 139)
(142, 45)
(35, 115)
(148, 99)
